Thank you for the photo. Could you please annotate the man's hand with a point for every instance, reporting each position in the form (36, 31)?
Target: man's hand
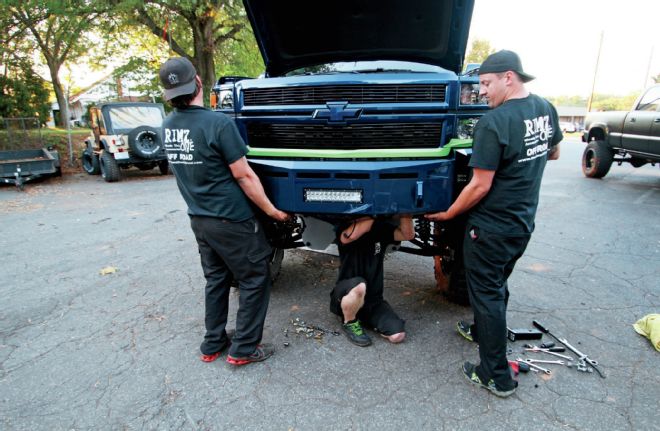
(439, 216)
(280, 215)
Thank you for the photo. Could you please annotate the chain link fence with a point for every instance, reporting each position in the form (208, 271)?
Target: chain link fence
(20, 134)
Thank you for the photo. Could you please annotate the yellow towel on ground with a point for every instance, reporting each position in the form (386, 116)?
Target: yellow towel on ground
(649, 326)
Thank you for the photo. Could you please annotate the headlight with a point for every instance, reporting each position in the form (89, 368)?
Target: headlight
(470, 95)
(465, 127)
(226, 99)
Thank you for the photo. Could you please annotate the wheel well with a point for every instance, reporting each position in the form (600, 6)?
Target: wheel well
(596, 134)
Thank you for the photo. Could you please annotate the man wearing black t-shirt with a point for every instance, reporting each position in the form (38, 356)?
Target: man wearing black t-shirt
(511, 146)
(358, 295)
(207, 156)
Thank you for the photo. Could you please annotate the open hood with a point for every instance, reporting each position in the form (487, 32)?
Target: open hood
(297, 33)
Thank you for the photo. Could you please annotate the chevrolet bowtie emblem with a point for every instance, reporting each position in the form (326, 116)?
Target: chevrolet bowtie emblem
(337, 113)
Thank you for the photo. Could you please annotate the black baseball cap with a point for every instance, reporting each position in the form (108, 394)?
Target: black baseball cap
(503, 61)
(178, 77)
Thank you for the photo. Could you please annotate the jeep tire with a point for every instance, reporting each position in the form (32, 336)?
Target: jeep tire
(597, 159)
(145, 142)
(90, 162)
(109, 167)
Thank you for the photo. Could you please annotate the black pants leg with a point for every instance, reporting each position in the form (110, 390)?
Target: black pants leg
(489, 260)
(240, 249)
(216, 298)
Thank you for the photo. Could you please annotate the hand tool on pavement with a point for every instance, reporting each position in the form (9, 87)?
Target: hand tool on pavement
(533, 365)
(549, 352)
(547, 345)
(583, 362)
(519, 367)
(550, 349)
(541, 361)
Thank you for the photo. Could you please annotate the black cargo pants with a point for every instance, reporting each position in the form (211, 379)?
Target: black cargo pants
(240, 249)
(489, 261)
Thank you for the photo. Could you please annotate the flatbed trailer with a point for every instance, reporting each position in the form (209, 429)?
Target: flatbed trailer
(21, 166)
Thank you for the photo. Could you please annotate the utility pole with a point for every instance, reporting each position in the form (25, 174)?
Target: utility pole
(593, 84)
(68, 126)
(648, 69)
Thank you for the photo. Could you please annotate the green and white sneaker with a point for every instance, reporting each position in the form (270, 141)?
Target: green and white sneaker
(464, 328)
(470, 372)
(356, 334)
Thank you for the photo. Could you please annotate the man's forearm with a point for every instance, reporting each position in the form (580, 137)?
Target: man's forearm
(469, 197)
(253, 189)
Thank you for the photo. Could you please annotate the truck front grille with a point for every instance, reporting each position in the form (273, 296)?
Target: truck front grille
(351, 137)
(355, 94)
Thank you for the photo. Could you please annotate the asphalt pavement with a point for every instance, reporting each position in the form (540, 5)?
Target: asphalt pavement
(85, 350)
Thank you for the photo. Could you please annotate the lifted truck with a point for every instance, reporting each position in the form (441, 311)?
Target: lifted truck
(124, 134)
(362, 111)
(632, 137)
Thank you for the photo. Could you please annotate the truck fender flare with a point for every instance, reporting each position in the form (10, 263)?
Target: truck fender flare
(598, 132)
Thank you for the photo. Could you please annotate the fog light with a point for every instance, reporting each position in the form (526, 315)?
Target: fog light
(333, 195)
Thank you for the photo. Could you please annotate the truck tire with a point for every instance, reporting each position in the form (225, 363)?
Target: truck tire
(275, 263)
(90, 162)
(453, 284)
(109, 167)
(450, 272)
(145, 142)
(597, 159)
(164, 167)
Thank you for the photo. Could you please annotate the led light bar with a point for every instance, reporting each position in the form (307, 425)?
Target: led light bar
(333, 195)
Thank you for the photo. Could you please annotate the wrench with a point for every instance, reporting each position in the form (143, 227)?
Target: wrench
(531, 364)
(538, 349)
(540, 361)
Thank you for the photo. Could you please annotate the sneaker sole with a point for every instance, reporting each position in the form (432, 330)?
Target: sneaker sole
(244, 361)
(213, 356)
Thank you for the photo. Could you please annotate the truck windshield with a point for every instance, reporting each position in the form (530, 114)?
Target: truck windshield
(130, 117)
(379, 66)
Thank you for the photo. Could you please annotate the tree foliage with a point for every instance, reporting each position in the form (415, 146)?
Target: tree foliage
(656, 78)
(479, 50)
(198, 30)
(58, 29)
(23, 95)
(601, 102)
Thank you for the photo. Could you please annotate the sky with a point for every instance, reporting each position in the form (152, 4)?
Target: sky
(558, 42)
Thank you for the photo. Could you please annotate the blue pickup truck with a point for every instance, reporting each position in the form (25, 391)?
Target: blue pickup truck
(364, 109)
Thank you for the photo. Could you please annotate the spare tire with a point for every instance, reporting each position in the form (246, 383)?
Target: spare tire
(145, 142)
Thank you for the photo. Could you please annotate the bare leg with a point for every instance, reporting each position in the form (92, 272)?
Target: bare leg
(353, 301)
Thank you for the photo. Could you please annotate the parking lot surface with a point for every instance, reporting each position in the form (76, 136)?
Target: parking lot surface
(83, 350)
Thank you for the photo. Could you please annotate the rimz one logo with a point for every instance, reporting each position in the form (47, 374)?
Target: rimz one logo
(337, 114)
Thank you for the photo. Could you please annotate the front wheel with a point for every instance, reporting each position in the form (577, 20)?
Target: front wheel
(453, 285)
(449, 267)
(597, 159)
(109, 167)
(275, 263)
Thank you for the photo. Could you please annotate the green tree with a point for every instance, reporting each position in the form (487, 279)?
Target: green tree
(23, 95)
(199, 30)
(656, 78)
(59, 29)
(479, 50)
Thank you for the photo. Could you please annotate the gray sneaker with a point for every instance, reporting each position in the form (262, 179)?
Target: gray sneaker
(356, 334)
